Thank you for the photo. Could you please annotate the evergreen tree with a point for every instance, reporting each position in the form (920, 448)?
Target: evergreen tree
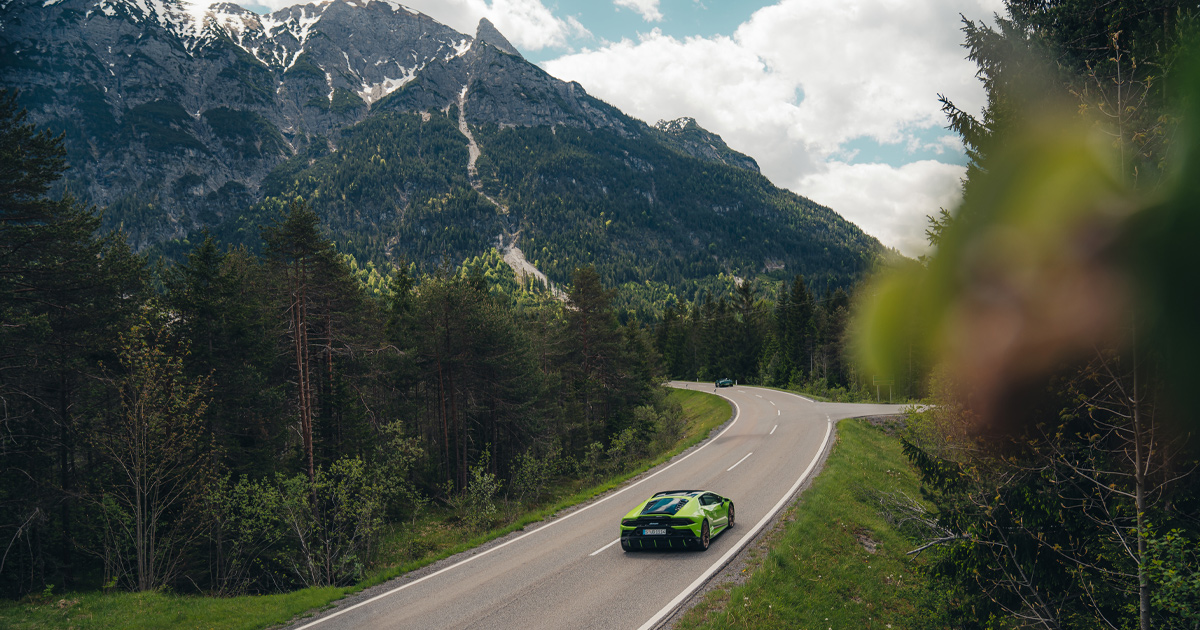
(225, 317)
(598, 361)
(798, 328)
(318, 292)
(64, 293)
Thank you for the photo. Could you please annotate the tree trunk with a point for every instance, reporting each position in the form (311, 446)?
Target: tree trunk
(442, 415)
(1139, 475)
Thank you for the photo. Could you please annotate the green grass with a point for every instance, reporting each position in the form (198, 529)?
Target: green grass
(150, 611)
(434, 536)
(704, 412)
(818, 572)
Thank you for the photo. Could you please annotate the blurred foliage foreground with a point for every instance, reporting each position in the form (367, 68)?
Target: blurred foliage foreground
(1056, 320)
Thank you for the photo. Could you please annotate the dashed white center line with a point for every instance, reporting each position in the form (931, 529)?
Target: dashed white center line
(778, 412)
(739, 461)
(759, 395)
(604, 547)
(773, 430)
(773, 403)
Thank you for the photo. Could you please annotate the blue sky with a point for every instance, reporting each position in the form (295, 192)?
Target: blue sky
(835, 99)
(681, 18)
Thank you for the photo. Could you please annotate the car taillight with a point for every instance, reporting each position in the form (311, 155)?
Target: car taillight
(629, 523)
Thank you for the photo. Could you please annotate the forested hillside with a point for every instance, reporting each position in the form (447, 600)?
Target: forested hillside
(643, 214)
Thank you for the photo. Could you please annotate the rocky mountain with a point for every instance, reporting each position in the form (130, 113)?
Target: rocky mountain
(180, 117)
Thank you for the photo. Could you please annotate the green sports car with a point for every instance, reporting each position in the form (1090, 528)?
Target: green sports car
(676, 519)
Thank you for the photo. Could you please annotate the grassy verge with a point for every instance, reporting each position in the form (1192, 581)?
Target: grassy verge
(837, 563)
(432, 537)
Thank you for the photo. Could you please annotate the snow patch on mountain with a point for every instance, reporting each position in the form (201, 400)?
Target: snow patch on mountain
(297, 21)
(373, 92)
(179, 17)
(460, 49)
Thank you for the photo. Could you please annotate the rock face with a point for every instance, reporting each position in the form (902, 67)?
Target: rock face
(488, 34)
(174, 114)
(692, 139)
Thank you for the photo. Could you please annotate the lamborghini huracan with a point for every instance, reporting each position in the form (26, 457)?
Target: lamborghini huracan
(676, 519)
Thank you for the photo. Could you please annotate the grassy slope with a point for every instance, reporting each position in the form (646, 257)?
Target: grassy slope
(435, 538)
(818, 572)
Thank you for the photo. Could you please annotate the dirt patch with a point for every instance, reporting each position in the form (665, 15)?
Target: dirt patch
(863, 536)
(890, 424)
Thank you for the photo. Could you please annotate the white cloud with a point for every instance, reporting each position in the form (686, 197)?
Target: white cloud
(723, 85)
(889, 202)
(648, 9)
(800, 79)
(526, 23)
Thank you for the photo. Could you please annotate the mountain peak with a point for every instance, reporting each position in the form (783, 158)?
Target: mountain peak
(686, 135)
(489, 34)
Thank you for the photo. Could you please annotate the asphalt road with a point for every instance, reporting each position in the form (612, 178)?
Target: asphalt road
(568, 572)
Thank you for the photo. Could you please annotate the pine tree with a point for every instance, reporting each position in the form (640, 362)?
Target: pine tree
(311, 274)
(64, 292)
(225, 318)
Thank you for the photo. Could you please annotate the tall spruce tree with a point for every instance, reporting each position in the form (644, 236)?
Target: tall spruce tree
(225, 316)
(315, 287)
(64, 292)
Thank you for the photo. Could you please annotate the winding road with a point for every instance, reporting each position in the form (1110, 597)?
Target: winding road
(567, 572)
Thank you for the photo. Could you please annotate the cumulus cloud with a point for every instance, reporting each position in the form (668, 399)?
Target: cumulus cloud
(799, 80)
(889, 202)
(724, 85)
(648, 9)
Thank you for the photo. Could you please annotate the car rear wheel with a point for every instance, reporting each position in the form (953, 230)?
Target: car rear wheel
(730, 523)
(704, 536)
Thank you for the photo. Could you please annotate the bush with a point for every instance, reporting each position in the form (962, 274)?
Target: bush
(478, 505)
(593, 460)
(332, 521)
(395, 456)
(246, 536)
(530, 474)
(289, 529)
(622, 448)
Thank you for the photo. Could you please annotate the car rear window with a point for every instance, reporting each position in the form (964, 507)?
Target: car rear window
(665, 505)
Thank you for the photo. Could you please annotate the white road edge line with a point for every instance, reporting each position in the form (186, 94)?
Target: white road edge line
(716, 566)
(773, 430)
(737, 413)
(739, 461)
(604, 547)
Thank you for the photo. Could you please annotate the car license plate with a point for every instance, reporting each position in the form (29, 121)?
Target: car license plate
(654, 532)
